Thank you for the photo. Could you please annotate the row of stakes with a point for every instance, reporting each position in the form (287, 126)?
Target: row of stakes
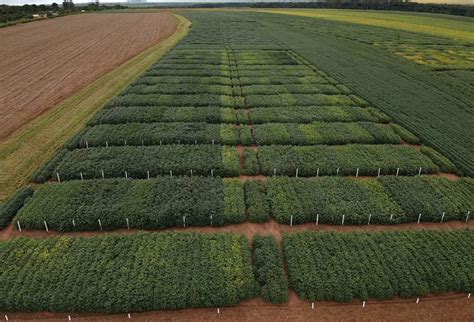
(81, 175)
(100, 223)
(313, 306)
(143, 143)
(211, 221)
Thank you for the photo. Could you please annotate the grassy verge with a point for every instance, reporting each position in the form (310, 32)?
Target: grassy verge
(34, 144)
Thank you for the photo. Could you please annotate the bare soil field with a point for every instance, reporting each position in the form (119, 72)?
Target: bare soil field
(44, 62)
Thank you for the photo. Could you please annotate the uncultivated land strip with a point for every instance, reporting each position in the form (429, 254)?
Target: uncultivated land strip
(29, 148)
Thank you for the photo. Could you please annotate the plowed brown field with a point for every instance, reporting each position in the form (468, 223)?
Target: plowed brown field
(44, 62)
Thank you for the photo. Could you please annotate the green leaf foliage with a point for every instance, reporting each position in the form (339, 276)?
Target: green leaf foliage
(10, 207)
(335, 266)
(132, 273)
(269, 269)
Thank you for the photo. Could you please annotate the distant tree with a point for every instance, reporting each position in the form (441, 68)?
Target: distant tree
(68, 6)
(55, 6)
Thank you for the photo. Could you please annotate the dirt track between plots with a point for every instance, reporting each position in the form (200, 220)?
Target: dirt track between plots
(446, 307)
(44, 62)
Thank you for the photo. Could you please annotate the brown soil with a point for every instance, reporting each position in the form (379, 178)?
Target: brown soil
(240, 150)
(47, 61)
(249, 229)
(446, 307)
(449, 176)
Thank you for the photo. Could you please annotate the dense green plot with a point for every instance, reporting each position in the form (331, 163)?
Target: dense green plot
(325, 160)
(283, 80)
(291, 89)
(191, 80)
(228, 134)
(10, 207)
(150, 114)
(256, 201)
(324, 133)
(270, 269)
(387, 200)
(156, 203)
(329, 199)
(155, 133)
(431, 197)
(334, 266)
(180, 89)
(307, 114)
(158, 160)
(177, 100)
(297, 100)
(138, 272)
(436, 108)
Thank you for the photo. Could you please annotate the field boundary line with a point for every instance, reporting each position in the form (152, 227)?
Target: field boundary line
(27, 149)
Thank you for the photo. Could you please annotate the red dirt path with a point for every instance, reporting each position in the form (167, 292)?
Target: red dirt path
(249, 229)
(44, 62)
(447, 307)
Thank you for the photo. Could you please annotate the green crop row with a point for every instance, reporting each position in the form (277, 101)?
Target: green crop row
(10, 207)
(298, 100)
(176, 100)
(303, 114)
(342, 160)
(156, 203)
(387, 200)
(269, 269)
(170, 80)
(164, 201)
(334, 266)
(190, 88)
(228, 134)
(135, 161)
(139, 272)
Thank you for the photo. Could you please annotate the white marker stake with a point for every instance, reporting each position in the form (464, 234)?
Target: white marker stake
(391, 217)
(312, 306)
(212, 172)
(73, 223)
(128, 224)
(357, 173)
(87, 144)
(195, 142)
(100, 224)
(363, 304)
(46, 226)
(317, 172)
(419, 218)
(343, 217)
(82, 177)
(103, 174)
(419, 172)
(57, 176)
(106, 144)
(211, 219)
(274, 172)
(6, 317)
(398, 171)
(212, 141)
(19, 227)
(171, 174)
(218, 311)
(297, 172)
(69, 317)
(467, 216)
(126, 175)
(184, 221)
(417, 300)
(370, 216)
(291, 220)
(129, 316)
(317, 219)
(378, 173)
(337, 172)
(143, 143)
(148, 175)
(469, 296)
(124, 142)
(442, 217)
